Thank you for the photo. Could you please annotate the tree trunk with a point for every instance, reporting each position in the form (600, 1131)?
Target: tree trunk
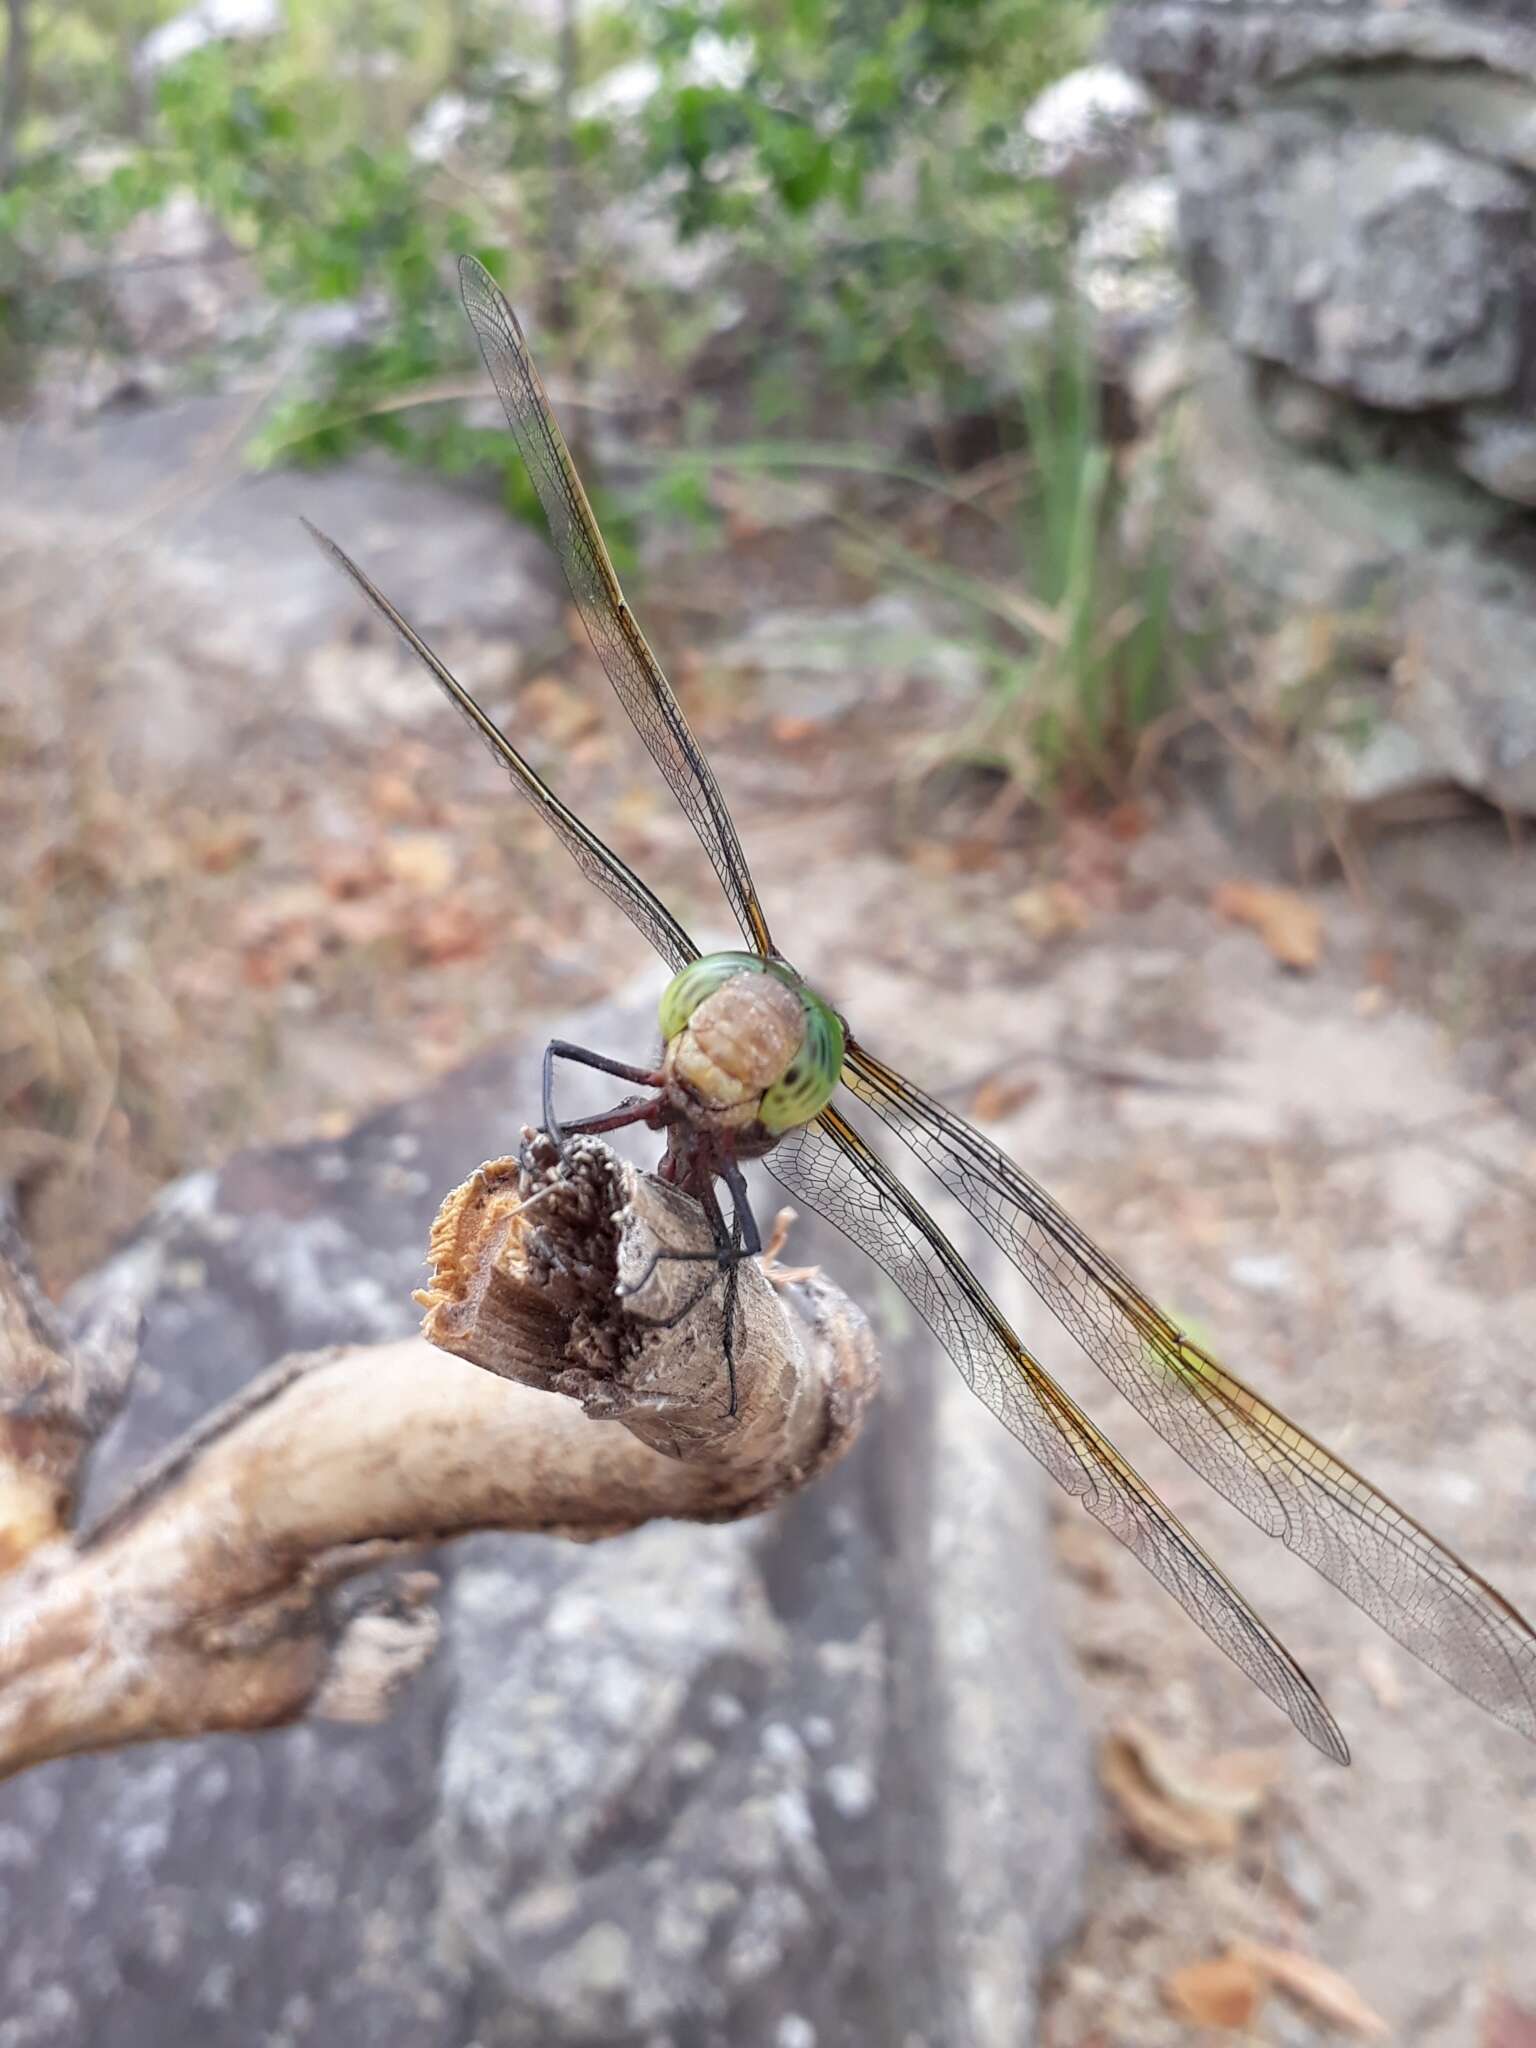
(13, 85)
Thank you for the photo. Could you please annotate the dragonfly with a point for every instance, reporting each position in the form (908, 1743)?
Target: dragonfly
(757, 1065)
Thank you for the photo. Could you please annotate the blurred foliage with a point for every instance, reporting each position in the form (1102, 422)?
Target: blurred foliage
(1111, 667)
(296, 148)
(856, 161)
(1079, 638)
(858, 150)
(851, 150)
(1075, 628)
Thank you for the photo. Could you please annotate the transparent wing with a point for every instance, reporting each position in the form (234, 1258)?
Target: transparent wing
(829, 1166)
(621, 647)
(1417, 1589)
(599, 863)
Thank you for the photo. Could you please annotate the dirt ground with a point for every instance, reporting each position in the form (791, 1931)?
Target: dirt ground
(245, 899)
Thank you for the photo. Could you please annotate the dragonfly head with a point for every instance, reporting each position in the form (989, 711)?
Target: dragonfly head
(750, 1042)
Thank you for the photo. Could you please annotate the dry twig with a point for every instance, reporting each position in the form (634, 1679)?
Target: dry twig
(210, 1597)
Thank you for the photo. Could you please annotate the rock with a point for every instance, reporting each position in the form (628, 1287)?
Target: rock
(1087, 132)
(825, 662)
(1125, 264)
(1370, 757)
(1226, 53)
(820, 1777)
(1498, 450)
(174, 280)
(1356, 184)
(1466, 692)
(1389, 640)
(225, 578)
(1484, 115)
(1377, 264)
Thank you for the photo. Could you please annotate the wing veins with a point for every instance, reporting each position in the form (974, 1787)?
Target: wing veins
(636, 675)
(1289, 1485)
(882, 1216)
(595, 858)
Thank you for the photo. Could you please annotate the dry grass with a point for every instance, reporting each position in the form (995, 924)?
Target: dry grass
(196, 957)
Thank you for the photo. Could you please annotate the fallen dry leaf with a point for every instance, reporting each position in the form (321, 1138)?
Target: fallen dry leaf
(1291, 927)
(936, 857)
(1050, 910)
(282, 958)
(1314, 1985)
(346, 871)
(443, 932)
(1381, 967)
(1233, 1783)
(1127, 821)
(1225, 1992)
(365, 921)
(999, 1096)
(789, 730)
(424, 861)
(281, 934)
(1163, 1825)
(394, 797)
(221, 846)
(1507, 2025)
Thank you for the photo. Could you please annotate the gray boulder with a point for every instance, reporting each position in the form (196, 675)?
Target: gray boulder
(1356, 185)
(1224, 53)
(1381, 265)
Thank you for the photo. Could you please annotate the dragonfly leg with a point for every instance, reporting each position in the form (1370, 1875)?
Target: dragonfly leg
(741, 1203)
(607, 1120)
(579, 1056)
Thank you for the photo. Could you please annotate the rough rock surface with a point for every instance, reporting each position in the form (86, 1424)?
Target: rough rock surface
(1217, 52)
(165, 557)
(760, 1784)
(1356, 190)
(1088, 131)
(1381, 265)
(1389, 610)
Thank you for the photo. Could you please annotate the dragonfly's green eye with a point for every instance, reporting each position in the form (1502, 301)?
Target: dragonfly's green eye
(700, 978)
(807, 1086)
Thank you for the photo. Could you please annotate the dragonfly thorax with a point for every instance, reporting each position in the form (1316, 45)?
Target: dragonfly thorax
(748, 1044)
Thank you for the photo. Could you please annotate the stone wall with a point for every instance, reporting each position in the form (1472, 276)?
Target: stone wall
(1356, 186)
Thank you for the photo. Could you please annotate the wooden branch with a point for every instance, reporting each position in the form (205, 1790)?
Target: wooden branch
(215, 1595)
(54, 1404)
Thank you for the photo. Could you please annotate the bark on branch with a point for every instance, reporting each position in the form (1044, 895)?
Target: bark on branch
(216, 1594)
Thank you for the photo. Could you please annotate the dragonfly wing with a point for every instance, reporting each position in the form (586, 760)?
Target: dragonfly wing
(599, 863)
(829, 1166)
(621, 647)
(1404, 1578)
